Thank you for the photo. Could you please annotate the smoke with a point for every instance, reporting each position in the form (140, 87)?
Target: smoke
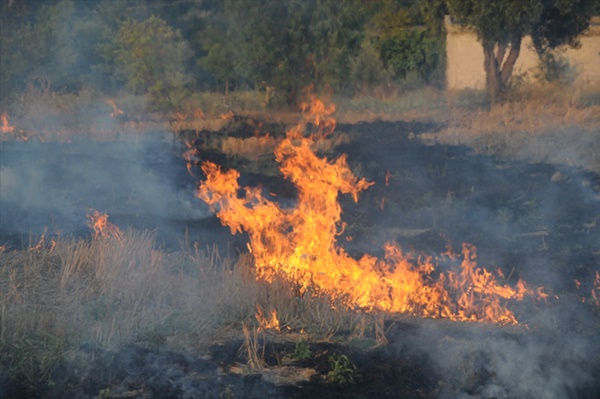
(490, 362)
(137, 181)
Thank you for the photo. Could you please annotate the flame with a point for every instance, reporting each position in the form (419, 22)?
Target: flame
(98, 222)
(227, 115)
(115, 110)
(320, 112)
(267, 322)
(6, 127)
(299, 243)
(190, 156)
(7, 131)
(199, 114)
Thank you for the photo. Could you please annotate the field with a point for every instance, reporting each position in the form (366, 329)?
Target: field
(163, 301)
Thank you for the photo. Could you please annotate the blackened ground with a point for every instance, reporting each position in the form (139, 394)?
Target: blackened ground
(539, 222)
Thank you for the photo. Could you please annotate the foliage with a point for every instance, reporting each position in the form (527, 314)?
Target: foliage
(501, 25)
(65, 46)
(32, 359)
(40, 51)
(409, 36)
(302, 351)
(343, 371)
(150, 58)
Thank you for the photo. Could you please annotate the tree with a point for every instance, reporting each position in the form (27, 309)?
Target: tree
(409, 36)
(286, 45)
(150, 58)
(502, 24)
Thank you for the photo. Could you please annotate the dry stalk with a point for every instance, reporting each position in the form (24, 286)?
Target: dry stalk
(251, 347)
(380, 337)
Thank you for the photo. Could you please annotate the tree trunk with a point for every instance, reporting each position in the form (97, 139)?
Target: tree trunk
(498, 69)
(511, 59)
(492, 73)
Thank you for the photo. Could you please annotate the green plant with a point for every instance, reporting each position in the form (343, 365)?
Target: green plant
(32, 359)
(301, 351)
(227, 393)
(343, 371)
(104, 393)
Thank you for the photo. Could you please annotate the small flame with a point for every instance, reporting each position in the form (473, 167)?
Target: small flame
(115, 110)
(319, 112)
(98, 222)
(266, 322)
(199, 114)
(6, 127)
(8, 131)
(190, 155)
(228, 115)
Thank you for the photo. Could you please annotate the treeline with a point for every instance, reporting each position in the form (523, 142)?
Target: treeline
(168, 49)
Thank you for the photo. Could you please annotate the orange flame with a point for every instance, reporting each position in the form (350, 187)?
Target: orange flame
(227, 115)
(115, 110)
(319, 112)
(299, 244)
(98, 222)
(9, 132)
(199, 114)
(267, 322)
(6, 127)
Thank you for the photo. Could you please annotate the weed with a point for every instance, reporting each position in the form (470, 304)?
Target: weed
(32, 359)
(104, 393)
(301, 351)
(252, 349)
(343, 371)
(227, 393)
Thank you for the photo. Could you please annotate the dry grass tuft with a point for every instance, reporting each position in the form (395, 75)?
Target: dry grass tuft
(545, 124)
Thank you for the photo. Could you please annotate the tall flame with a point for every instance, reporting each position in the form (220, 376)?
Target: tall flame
(299, 243)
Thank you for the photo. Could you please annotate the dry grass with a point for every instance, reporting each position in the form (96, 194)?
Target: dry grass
(108, 292)
(548, 123)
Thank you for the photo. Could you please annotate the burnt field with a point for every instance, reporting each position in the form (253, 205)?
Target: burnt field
(531, 221)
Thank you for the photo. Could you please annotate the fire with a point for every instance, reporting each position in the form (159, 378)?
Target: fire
(299, 243)
(227, 115)
(320, 112)
(98, 222)
(115, 110)
(8, 132)
(267, 322)
(6, 127)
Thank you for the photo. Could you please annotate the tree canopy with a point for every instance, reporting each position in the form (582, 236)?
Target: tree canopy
(501, 26)
(167, 49)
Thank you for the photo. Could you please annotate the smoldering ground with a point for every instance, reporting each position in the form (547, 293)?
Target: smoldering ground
(138, 181)
(524, 219)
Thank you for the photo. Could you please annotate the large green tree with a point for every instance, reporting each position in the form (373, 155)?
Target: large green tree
(285, 45)
(149, 57)
(502, 24)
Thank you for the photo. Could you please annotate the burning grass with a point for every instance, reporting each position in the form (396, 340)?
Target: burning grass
(299, 243)
(107, 292)
(117, 288)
